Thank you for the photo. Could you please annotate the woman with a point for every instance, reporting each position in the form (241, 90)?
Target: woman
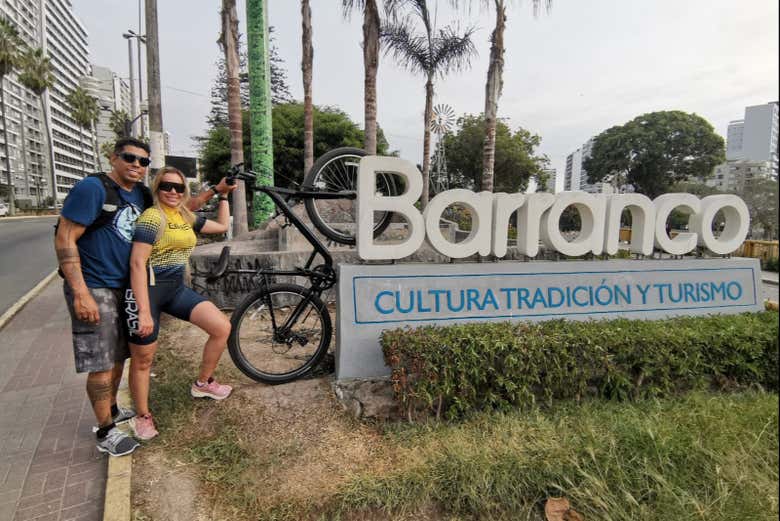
(163, 240)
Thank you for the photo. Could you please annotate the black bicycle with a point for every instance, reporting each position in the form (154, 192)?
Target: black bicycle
(281, 331)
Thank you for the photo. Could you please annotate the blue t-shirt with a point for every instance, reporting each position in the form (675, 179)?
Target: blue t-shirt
(104, 252)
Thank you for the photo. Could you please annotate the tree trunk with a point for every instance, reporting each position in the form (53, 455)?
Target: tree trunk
(371, 66)
(492, 93)
(11, 195)
(83, 155)
(95, 147)
(306, 68)
(427, 142)
(156, 140)
(229, 40)
(48, 136)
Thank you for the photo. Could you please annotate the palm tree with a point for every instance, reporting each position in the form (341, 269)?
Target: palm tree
(494, 85)
(84, 109)
(306, 69)
(371, 31)
(432, 53)
(228, 40)
(10, 46)
(37, 76)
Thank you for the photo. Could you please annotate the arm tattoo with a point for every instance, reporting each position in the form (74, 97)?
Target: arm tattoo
(99, 391)
(68, 255)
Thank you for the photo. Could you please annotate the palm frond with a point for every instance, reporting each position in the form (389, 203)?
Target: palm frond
(452, 51)
(408, 49)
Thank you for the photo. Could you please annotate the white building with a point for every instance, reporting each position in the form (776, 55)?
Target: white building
(754, 138)
(65, 42)
(549, 186)
(731, 176)
(27, 143)
(52, 26)
(572, 172)
(113, 94)
(576, 177)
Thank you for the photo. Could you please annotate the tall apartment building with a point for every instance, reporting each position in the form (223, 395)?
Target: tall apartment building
(732, 175)
(754, 138)
(572, 171)
(27, 144)
(113, 94)
(51, 25)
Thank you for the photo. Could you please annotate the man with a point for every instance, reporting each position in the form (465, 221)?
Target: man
(93, 242)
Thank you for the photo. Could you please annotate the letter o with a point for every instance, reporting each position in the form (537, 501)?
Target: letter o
(737, 223)
(664, 204)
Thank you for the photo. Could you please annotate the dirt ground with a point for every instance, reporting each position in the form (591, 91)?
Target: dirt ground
(301, 446)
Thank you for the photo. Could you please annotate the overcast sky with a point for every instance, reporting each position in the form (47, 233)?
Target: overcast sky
(569, 74)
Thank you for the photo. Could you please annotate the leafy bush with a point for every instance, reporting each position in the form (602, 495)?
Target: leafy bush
(770, 264)
(469, 367)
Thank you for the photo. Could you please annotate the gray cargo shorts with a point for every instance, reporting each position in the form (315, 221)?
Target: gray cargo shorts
(97, 347)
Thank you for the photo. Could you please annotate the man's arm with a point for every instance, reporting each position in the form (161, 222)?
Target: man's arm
(68, 232)
(197, 201)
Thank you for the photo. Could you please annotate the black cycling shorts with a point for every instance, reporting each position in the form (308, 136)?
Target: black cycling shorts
(169, 296)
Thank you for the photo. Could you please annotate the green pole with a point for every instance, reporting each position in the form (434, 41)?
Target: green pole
(260, 103)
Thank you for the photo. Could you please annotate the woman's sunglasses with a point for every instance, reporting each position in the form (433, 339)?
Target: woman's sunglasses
(129, 158)
(166, 186)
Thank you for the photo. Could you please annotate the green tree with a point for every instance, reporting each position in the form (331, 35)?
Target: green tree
(10, 47)
(37, 76)
(85, 111)
(433, 53)
(515, 158)
(761, 197)
(119, 122)
(656, 150)
(333, 129)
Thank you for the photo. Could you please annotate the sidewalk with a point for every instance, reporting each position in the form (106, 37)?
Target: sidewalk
(50, 469)
(770, 277)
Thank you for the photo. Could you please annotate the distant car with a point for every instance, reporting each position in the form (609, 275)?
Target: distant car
(3, 209)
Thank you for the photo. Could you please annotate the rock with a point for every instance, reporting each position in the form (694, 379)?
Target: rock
(370, 398)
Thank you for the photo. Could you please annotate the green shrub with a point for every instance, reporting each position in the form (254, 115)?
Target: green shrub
(463, 368)
(770, 264)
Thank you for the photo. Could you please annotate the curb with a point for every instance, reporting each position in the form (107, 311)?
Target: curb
(117, 506)
(771, 282)
(17, 307)
(17, 217)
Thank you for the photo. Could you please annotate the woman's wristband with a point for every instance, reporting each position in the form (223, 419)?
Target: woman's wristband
(214, 189)
(222, 198)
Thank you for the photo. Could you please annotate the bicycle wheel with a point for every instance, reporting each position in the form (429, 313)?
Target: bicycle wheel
(337, 171)
(288, 350)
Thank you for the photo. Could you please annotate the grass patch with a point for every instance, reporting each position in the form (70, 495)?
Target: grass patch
(705, 456)
(699, 456)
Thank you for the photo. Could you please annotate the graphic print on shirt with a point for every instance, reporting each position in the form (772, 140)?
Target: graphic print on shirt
(124, 222)
(170, 254)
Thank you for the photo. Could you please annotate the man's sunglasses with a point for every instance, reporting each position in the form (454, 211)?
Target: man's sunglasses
(129, 158)
(166, 186)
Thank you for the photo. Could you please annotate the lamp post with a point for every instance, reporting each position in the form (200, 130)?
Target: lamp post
(140, 38)
(134, 103)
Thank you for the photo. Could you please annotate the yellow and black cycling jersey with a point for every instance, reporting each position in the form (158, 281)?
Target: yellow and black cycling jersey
(171, 252)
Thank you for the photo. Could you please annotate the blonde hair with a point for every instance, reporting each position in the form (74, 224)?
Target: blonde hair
(184, 211)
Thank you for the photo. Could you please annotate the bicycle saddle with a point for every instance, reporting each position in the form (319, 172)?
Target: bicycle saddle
(222, 264)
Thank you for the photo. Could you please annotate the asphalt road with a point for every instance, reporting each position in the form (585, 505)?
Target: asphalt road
(26, 256)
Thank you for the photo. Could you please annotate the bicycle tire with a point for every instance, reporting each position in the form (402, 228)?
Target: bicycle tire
(337, 171)
(261, 357)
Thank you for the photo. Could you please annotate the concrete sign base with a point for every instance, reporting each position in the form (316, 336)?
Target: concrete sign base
(372, 298)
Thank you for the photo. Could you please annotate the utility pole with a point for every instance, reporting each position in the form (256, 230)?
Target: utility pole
(153, 88)
(141, 39)
(260, 101)
(133, 104)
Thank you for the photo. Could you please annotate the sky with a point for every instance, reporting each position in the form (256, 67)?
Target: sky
(569, 74)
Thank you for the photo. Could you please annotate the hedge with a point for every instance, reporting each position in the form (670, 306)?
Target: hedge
(458, 369)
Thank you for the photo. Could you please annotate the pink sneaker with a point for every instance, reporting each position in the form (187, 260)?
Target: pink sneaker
(210, 389)
(143, 427)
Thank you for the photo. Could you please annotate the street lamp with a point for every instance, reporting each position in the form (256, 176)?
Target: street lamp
(129, 36)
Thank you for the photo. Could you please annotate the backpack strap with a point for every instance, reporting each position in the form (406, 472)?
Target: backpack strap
(110, 204)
